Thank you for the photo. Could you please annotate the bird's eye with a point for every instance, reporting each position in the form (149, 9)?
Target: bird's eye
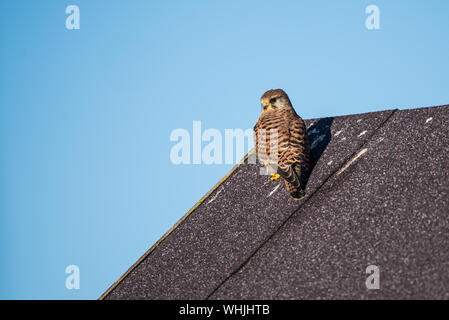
(272, 100)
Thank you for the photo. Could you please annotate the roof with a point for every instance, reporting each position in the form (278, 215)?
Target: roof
(378, 195)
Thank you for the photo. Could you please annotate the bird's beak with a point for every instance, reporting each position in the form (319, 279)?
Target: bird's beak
(265, 103)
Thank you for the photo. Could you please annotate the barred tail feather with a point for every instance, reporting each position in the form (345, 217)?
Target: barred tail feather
(295, 179)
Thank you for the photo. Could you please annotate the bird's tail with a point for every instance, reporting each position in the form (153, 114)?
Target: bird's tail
(295, 179)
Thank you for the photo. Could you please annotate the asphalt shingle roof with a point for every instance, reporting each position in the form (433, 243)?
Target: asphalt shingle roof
(378, 194)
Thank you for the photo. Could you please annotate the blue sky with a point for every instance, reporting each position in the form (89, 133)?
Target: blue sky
(86, 115)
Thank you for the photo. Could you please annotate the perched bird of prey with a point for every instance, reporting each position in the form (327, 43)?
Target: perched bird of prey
(282, 144)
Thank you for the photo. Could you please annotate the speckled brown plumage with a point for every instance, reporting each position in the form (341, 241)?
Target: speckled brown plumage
(279, 127)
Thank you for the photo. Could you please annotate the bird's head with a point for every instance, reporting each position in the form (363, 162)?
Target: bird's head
(275, 100)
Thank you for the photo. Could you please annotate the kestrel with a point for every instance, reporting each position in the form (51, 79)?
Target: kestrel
(282, 144)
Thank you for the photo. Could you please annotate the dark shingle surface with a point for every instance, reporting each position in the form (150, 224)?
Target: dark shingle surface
(388, 208)
(249, 239)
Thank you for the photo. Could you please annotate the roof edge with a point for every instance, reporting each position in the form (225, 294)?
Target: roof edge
(183, 218)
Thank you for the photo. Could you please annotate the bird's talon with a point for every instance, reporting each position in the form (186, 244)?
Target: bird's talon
(274, 176)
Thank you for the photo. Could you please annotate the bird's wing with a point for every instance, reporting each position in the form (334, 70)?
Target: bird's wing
(294, 159)
(260, 142)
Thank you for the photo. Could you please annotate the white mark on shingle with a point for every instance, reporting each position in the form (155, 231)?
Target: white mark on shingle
(329, 163)
(215, 196)
(317, 141)
(343, 139)
(310, 126)
(352, 160)
(429, 119)
(313, 131)
(359, 120)
(337, 133)
(274, 190)
(362, 133)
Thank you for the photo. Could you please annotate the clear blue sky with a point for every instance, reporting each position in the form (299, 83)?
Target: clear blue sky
(86, 115)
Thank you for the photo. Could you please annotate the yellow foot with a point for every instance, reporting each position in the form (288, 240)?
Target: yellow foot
(274, 176)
